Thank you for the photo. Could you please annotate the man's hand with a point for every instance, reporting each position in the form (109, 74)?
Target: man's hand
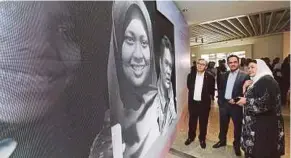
(231, 101)
(242, 101)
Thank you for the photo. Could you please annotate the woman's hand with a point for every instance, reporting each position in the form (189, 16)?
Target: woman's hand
(247, 83)
(242, 101)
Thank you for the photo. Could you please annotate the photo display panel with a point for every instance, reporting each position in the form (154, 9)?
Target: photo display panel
(53, 82)
(85, 79)
(141, 77)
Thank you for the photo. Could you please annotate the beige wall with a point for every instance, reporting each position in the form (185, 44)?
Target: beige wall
(286, 44)
(255, 47)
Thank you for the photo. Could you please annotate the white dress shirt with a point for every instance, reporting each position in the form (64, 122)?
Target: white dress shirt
(230, 83)
(198, 86)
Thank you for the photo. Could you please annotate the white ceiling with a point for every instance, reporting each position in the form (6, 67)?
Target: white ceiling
(204, 11)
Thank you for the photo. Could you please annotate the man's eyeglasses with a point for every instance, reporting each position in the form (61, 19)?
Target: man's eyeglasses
(201, 64)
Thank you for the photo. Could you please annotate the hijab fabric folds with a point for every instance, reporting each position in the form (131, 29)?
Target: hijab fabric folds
(262, 70)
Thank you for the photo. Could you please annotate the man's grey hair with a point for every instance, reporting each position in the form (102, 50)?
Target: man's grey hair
(201, 59)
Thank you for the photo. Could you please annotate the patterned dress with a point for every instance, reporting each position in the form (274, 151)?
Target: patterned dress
(263, 126)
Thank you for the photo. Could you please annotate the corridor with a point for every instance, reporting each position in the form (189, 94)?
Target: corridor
(179, 150)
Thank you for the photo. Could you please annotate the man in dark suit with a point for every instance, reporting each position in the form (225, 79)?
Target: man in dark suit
(231, 84)
(201, 89)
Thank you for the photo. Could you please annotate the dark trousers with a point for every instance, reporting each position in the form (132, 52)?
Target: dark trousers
(198, 110)
(227, 111)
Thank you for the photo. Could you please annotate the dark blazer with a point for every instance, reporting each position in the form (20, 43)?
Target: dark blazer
(237, 89)
(207, 89)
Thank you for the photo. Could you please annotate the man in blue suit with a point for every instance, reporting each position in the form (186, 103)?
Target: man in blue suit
(231, 84)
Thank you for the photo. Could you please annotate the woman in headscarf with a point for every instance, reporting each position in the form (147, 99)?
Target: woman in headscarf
(263, 126)
(132, 77)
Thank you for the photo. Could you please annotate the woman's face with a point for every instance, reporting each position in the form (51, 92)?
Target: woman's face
(252, 69)
(135, 53)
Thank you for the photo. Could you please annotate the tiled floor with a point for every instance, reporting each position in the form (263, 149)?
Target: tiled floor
(212, 137)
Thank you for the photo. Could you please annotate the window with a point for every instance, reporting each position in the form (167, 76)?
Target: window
(205, 57)
(219, 56)
(240, 54)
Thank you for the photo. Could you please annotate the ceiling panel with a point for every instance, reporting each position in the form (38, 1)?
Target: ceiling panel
(255, 24)
(203, 11)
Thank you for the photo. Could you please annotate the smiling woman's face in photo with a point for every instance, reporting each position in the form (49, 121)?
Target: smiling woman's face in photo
(136, 53)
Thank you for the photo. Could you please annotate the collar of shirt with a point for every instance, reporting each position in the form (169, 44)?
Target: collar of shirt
(202, 74)
(234, 72)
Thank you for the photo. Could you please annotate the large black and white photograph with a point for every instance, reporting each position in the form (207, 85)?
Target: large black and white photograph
(53, 96)
(141, 77)
(132, 78)
(165, 62)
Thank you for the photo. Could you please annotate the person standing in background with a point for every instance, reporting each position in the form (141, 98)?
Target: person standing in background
(243, 65)
(200, 92)
(277, 71)
(211, 69)
(231, 88)
(221, 69)
(285, 70)
(275, 61)
(193, 67)
(268, 62)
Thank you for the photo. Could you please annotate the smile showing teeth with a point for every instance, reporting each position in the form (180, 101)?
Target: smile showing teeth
(137, 67)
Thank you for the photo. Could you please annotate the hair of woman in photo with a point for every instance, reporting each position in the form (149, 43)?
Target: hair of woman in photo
(128, 101)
